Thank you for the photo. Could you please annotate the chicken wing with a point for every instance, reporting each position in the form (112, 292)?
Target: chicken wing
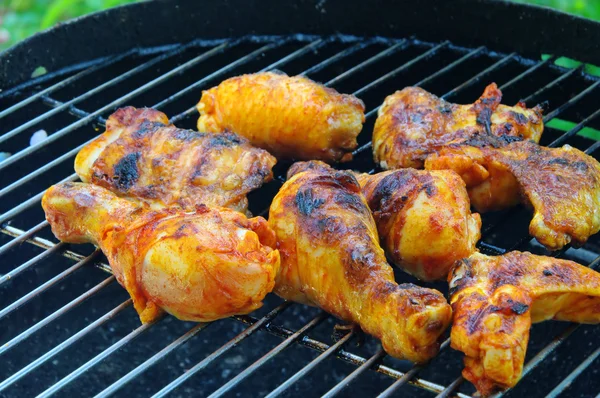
(423, 217)
(141, 155)
(200, 265)
(495, 300)
(561, 184)
(331, 258)
(292, 117)
(413, 123)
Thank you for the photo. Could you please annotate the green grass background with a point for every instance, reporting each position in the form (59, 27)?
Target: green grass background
(20, 19)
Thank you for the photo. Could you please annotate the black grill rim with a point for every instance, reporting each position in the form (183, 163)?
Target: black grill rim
(526, 29)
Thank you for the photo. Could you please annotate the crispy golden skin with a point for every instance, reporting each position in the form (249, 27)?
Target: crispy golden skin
(561, 184)
(200, 265)
(141, 155)
(413, 123)
(495, 300)
(292, 117)
(331, 258)
(423, 217)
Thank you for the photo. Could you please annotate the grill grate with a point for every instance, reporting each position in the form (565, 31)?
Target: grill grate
(45, 297)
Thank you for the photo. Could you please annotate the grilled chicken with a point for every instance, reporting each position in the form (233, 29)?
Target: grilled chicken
(201, 264)
(495, 300)
(331, 258)
(414, 124)
(562, 185)
(141, 155)
(292, 117)
(423, 217)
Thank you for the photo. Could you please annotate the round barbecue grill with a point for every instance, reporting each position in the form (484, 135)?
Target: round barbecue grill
(67, 327)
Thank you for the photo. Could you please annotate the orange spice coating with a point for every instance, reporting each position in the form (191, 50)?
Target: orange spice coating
(200, 265)
(331, 258)
(562, 185)
(292, 117)
(495, 300)
(424, 219)
(413, 125)
(141, 155)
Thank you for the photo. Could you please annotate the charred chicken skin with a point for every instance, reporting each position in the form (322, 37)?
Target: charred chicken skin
(141, 155)
(331, 258)
(495, 300)
(562, 185)
(423, 217)
(413, 125)
(292, 117)
(200, 265)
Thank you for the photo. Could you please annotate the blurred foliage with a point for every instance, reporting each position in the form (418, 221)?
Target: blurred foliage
(585, 8)
(20, 19)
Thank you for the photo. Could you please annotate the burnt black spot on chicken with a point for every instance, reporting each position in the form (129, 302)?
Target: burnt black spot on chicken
(548, 273)
(559, 161)
(147, 127)
(188, 135)
(125, 173)
(518, 117)
(306, 202)
(430, 190)
(226, 139)
(519, 308)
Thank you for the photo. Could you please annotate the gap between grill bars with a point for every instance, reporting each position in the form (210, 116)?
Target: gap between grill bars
(300, 336)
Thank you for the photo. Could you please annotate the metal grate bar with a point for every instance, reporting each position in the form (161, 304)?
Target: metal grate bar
(91, 92)
(225, 69)
(56, 314)
(88, 365)
(8, 309)
(571, 102)
(151, 361)
(24, 236)
(223, 349)
(409, 375)
(478, 76)
(401, 45)
(311, 366)
(345, 355)
(354, 375)
(451, 66)
(554, 83)
(573, 375)
(283, 345)
(342, 54)
(82, 122)
(592, 148)
(33, 365)
(528, 72)
(451, 388)
(296, 54)
(16, 271)
(63, 83)
(30, 202)
(575, 129)
(401, 68)
(71, 109)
